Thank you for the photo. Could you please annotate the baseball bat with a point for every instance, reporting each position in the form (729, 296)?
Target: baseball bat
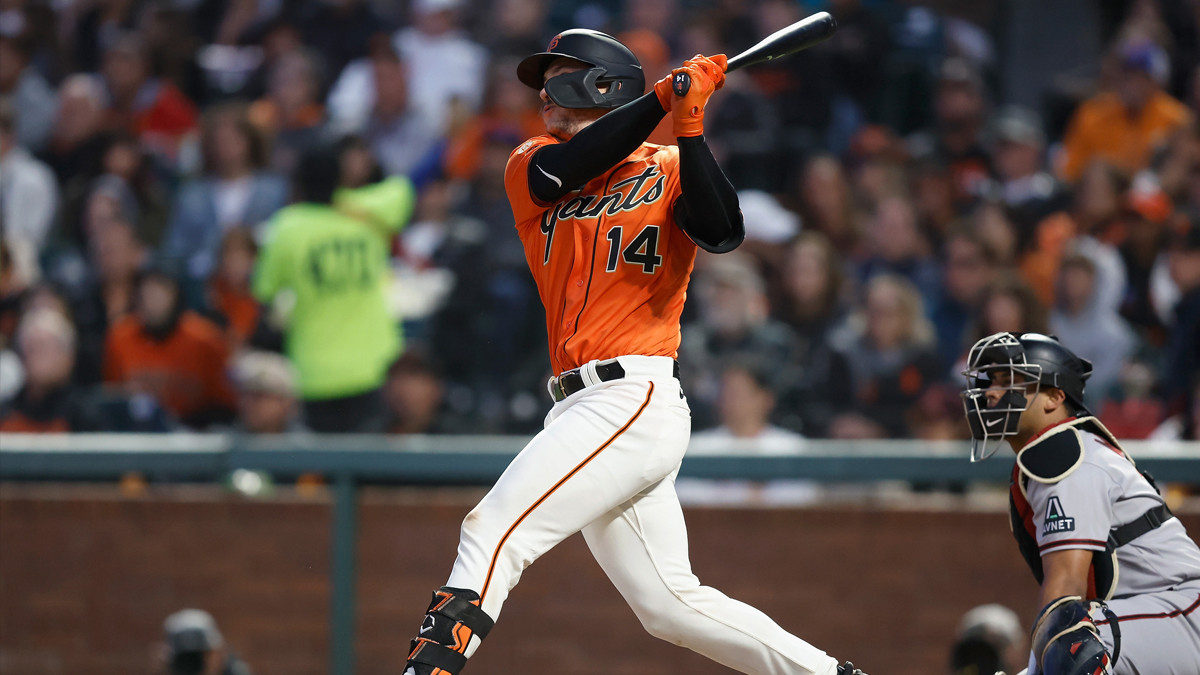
(801, 35)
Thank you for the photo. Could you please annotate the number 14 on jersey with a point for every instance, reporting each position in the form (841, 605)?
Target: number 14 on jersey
(642, 250)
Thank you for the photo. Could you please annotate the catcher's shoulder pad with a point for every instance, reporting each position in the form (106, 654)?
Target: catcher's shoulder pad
(1093, 425)
(1054, 455)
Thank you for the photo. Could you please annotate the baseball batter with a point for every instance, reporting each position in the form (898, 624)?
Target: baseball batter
(610, 226)
(1120, 578)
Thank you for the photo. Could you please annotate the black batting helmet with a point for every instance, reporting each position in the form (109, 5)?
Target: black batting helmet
(611, 63)
(1035, 358)
(1061, 368)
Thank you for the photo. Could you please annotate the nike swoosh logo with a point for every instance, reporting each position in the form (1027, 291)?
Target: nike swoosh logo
(992, 423)
(425, 629)
(553, 178)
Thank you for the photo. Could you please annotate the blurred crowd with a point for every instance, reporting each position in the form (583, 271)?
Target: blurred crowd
(167, 165)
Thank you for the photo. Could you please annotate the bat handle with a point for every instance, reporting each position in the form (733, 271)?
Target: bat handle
(681, 84)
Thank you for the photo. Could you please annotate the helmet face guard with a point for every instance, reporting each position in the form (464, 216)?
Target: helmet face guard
(578, 90)
(988, 360)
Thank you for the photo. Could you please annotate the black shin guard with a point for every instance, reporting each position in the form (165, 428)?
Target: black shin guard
(452, 619)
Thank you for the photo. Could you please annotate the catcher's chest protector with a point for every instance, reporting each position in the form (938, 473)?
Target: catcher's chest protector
(1050, 459)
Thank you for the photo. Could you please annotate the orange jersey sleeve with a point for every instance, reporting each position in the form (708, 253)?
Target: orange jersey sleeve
(516, 179)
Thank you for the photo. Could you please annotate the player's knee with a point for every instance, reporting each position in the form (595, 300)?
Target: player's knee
(472, 521)
(664, 616)
(662, 624)
(475, 525)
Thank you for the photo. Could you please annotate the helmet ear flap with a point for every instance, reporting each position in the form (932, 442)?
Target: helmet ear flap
(1087, 369)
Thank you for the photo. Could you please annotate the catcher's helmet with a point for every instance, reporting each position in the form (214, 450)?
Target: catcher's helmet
(1029, 359)
(611, 63)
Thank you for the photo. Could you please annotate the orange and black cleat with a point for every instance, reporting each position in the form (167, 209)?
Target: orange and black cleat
(453, 618)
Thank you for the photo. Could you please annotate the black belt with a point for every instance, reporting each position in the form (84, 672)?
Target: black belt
(572, 380)
(1149, 520)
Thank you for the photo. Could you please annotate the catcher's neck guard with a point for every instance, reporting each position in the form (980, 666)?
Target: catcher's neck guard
(991, 424)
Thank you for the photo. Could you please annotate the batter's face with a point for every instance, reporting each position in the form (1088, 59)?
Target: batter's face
(563, 123)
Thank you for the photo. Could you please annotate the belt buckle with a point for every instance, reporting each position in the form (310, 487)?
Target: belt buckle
(558, 391)
(561, 378)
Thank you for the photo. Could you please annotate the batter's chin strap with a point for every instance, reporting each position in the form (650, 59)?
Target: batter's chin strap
(453, 618)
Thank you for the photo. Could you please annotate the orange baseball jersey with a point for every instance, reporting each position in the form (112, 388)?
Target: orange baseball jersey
(186, 371)
(611, 266)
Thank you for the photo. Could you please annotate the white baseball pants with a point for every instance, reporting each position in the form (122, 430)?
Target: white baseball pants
(605, 464)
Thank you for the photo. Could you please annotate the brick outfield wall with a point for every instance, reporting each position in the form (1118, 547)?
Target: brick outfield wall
(86, 578)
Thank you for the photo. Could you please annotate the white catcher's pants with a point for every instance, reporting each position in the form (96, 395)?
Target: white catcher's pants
(605, 464)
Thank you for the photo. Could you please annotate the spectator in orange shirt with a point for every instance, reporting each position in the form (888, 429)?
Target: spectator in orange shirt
(229, 288)
(171, 353)
(152, 108)
(1125, 125)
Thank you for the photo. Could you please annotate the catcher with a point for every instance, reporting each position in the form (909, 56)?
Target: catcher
(1120, 578)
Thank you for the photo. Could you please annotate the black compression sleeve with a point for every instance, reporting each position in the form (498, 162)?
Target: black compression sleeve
(557, 169)
(707, 208)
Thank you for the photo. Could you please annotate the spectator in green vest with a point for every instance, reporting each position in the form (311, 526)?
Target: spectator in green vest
(324, 270)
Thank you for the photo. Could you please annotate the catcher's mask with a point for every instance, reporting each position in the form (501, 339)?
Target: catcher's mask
(997, 363)
(609, 63)
(1031, 360)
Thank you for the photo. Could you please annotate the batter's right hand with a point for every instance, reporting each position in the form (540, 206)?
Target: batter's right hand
(713, 67)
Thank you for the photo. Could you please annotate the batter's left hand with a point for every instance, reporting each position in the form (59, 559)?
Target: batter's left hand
(707, 75)
(662, 89)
